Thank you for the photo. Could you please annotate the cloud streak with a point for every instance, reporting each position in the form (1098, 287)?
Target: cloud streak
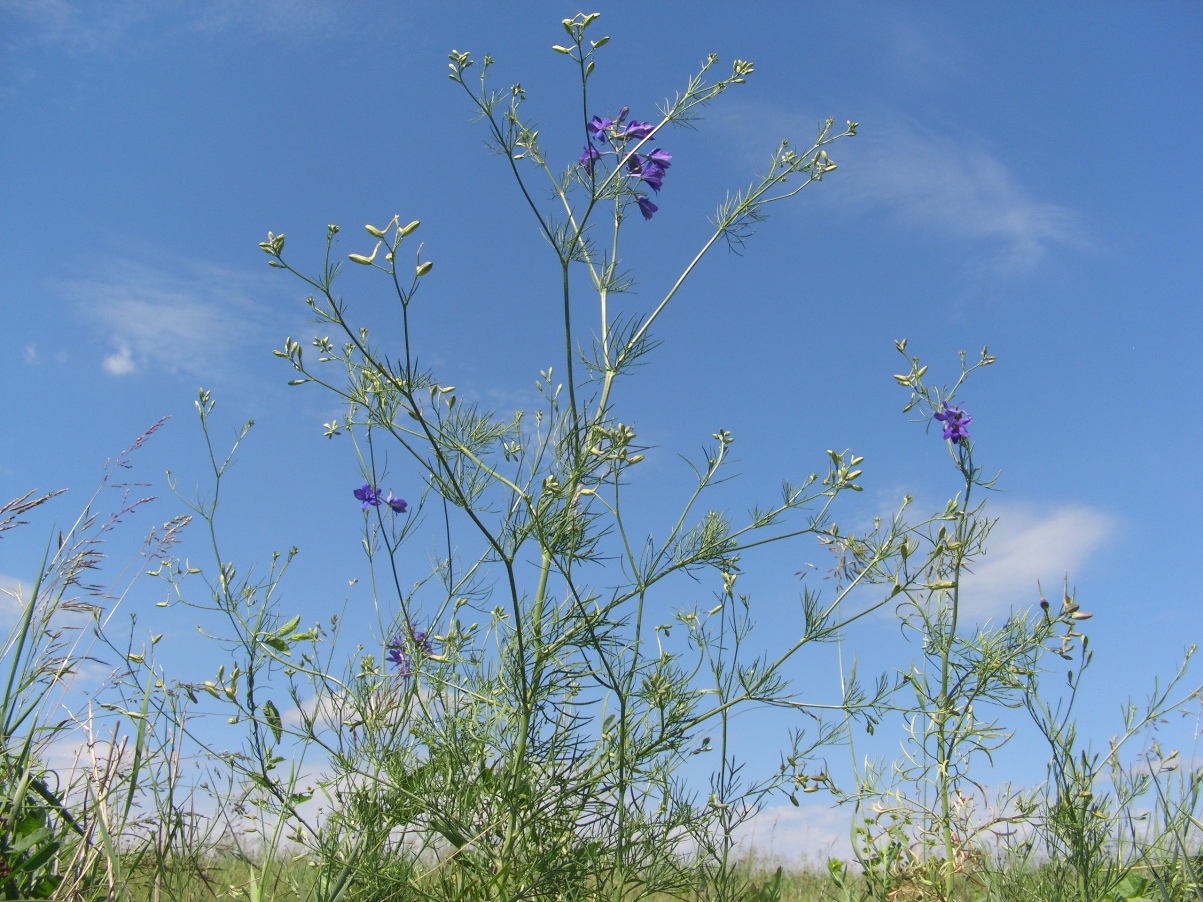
(783, 833)
(947, 185)
(194, 319)
(1026, 548)
(77, 27)
(84, 27)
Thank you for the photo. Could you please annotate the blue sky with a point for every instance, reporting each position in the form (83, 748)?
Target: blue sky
(1025, 177)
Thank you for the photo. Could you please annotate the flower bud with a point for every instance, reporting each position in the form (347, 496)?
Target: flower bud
(410, 229)
(424, 268)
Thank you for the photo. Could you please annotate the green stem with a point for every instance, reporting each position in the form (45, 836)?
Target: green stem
(944, 713)
(576, 426)
(527, 709)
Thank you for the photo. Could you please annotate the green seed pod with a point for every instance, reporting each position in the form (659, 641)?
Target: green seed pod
(361, 259)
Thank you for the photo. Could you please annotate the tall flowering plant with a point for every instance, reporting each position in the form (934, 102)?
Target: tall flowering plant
(537, 726)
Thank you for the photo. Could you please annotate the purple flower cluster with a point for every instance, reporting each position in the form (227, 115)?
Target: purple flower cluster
(397, 654)
(371, 496)
(646, 168)
(955, 422)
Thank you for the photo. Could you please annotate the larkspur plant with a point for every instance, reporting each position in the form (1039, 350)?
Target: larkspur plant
(501, 770)
(538, 758)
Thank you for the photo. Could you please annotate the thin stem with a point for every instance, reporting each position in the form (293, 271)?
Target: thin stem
(944, 745)
(576, 427)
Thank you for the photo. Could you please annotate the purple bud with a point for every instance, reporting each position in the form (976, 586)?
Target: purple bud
(646, 207)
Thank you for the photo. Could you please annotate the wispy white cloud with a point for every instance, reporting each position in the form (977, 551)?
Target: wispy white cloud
(190, 319)
(946, 184)
(119, 363)
(812, 832)
(1028, 546)
(919, 53)
(298, 18)
(81, 26)
(75, 26)
(33, 355)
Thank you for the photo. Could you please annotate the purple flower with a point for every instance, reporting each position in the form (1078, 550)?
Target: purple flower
(647, 171)
(661, 158)
(648, 168)
(653, 175)
(398, 656)
(955, 420)
(588, 156)
(371, 496)
(368, 495)
(597, 127)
